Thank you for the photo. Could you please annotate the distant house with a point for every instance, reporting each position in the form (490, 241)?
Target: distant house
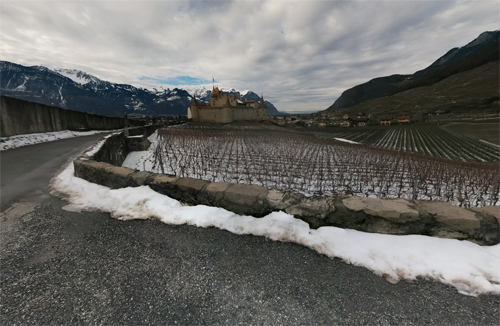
(322, 124)
(345, 123)
(385, 121)
(404, 119)
(360, 122)
(345, 116)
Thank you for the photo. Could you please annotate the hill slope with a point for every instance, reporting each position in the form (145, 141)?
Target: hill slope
(474, 90)
(482, 50)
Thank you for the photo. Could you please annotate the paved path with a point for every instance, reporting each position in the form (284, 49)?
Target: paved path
(26, 171)
(59, 267)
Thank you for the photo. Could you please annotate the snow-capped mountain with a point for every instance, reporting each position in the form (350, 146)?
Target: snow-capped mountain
(78, 76)
(77, 90)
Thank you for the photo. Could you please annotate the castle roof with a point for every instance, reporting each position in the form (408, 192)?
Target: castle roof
(216, 92)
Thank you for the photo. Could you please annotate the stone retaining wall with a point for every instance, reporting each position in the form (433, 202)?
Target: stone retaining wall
(388, 216)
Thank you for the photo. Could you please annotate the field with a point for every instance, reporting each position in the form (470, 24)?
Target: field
(301, 162)
(425, 138)
(488, 131)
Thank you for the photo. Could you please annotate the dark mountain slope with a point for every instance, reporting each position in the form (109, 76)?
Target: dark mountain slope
(482, 50)
(473, 91)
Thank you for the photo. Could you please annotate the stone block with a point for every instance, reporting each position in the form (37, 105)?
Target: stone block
(191, 184)
(141, 178)
(98, 165)
(119, 171)
(216, 190)
(313, 207)
(163, 178)
(165, 184)
(91, 171)
(395, 210)
(490, 210)
(452, 217)
(118, 177)
(279, 200)
(189, 190)
(244, 195)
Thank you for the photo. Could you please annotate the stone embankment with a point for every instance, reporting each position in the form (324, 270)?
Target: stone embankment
(388, 216)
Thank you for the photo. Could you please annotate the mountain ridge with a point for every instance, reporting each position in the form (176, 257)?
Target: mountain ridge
(484, 45)
(77, 90)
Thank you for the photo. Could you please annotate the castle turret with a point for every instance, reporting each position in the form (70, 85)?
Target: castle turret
(215, 92)
(192, 109)
(262, 104)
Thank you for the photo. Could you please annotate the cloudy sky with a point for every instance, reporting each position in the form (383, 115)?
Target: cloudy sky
(300, 54)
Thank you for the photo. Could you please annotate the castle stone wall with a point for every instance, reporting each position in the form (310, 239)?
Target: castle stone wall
(215, 115)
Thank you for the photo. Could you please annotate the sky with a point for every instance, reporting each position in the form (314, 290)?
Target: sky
(301, 55)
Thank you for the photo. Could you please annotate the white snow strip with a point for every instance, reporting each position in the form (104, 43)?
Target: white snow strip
(487, 142)
(32, 139)
(470, 268)
(346, 140)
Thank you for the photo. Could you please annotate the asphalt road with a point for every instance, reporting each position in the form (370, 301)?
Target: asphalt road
(59, 267)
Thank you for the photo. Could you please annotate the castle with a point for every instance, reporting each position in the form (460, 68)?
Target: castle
(224, 108)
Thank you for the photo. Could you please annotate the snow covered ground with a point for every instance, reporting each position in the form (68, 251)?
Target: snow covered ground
(346, 140)
(32, 139)
(470, 268)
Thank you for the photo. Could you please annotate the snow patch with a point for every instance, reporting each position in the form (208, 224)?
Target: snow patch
(77, 76)
(32, 139)
(346, 140)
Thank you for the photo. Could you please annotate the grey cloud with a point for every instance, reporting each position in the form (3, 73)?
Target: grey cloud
(300, 54)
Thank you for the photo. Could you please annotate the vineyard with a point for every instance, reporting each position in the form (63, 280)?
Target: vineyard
(316, 166)
(427, 139)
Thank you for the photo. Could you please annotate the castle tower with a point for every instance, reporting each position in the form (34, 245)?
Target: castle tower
(192, 108)
(262, 104)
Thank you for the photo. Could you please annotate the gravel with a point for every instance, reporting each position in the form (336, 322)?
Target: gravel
(61, 267)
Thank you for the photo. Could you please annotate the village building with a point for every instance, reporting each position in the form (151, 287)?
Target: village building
(225, 108)
(345, 123)
(404, 119)
(360, 122)
(385, 121)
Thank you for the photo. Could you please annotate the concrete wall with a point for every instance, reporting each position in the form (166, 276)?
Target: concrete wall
(117, 147)
(23, 117)
(388, 216)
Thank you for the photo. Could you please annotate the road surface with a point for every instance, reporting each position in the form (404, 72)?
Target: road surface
(60, 267)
